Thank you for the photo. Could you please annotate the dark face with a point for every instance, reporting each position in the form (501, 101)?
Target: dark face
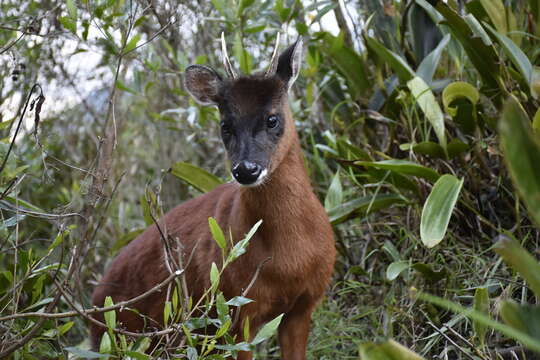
(252, 124)
(252, 108)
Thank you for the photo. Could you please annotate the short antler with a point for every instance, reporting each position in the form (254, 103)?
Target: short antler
(226, 61)
(274, 61)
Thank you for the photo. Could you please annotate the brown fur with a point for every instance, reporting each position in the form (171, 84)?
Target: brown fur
(295, 233)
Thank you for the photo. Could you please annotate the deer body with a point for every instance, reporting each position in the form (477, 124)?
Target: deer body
(295, 235)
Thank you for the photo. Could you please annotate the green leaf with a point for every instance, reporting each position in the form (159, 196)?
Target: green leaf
(86, 354)
(105, 345)
(459, 101)
(214, 275)
(240, 247)
(120, 85)
(394, 269)
(132, 44)
(483, 57)
(217, 233)
(239, 301)
(519, 259)
(125, 239)
(536, 123)
(334, 195)
(389, 350)
(223, 329)
(471, 313)
(65, 328)
(430, 107)
(195, 176)
(427, 67)
(362, 205)
(438, 209)
(349, 63)
(497, 14)
(524, 318)
(457, 90)
(110, 316)
(72, 9)
(68, 24)
(267, 330)
(515, 54)
(403, 167)
(521, 149)
(481, 304)
(396, 62)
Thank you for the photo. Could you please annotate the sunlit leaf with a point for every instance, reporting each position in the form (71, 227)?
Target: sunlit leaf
(389, 350)
(438, 209)
(195, 176)
(267, 330)
(521, 150)
(403, 167)
(430, 107)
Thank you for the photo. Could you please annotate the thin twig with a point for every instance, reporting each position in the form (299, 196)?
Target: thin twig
(96, 310)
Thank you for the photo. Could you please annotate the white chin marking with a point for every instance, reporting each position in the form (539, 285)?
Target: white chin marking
(260, 179)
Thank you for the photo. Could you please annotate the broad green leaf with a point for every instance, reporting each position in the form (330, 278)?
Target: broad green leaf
(86, 354)
(456, 90)
(524, 318)
(349, 63)
(65, 328)
(362, 205)
(223, 329)
(459, 101)
(334, 195)
(520, 336)
(430, 107)
(438, 209)
(483, 57)
(497, 14)
(195, 176)
(481, 304)
(267, 330)
(428, 66)
(519, 259)
(521, 149)
(515, 54)
(389, 350)
(132, 43)
(68, 23)
(403, 167)
(536, 123)
(394, 269)
(396, 62)
(239, 301)
(217, 233)
(110, 316)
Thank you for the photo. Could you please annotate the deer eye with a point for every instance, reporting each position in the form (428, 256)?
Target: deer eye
(272, 121)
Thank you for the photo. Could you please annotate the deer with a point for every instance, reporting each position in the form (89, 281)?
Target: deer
(270, 183)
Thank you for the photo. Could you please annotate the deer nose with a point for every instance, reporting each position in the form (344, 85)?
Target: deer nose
(246, 172)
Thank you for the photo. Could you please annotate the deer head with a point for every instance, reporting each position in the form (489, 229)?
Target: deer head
(256, 123)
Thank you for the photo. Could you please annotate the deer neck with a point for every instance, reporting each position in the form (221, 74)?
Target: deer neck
(286, 195)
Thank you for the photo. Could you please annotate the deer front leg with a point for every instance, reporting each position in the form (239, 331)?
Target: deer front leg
(294, 330)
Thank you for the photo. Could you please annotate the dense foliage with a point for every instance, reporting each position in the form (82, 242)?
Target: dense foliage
(420, 125)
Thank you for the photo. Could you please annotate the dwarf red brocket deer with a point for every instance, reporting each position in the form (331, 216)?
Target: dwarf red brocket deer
(272, 184)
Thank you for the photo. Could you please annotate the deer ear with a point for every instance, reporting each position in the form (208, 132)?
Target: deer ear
(289, 62)
(203, 84)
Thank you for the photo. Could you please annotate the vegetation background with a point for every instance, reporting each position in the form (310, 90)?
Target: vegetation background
(419, 120)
